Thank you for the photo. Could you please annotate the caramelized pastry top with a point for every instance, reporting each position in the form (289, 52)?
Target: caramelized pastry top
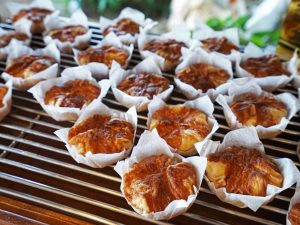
(294, 214)
(74, 93)
(144, 84)
(3, 91)
(34, 14)
(269, 65)
(105, 54)
(6, 38)
(170, 49)
(28, 65)
(203, 76)
(122, 27)
(153, 183)
(243, 171)
(258, 110)
(222, 45)
(101, 134)
(68, 33)
(180, 126)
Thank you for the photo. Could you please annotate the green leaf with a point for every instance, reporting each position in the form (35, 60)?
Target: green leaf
(214, 23)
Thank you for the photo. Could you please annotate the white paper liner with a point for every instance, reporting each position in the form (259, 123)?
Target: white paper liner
(151, 144)
(98, 160)
(117, 74)
(73, 73)
(5, 50)
(246, 85)
(231, 34)
(133, 14)
(190, 58)
(7, 100)
(77, 18)
(269, 83)
(100, 70)
(295, 199)
(203, 104)
(247, 137)
(18, 50)
(24, 23)
(180, 34)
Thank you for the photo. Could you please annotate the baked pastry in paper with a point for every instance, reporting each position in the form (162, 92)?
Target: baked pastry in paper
(247, 138)
(64, 98)
(5, 99)
(26, 67)
(101, 136)
(68, 33)
(164, 192)
(293, 214)
(183, 125)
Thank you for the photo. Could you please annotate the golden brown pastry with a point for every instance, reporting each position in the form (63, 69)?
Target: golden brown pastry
(258, 110)
(222, 45)
(6, 38)
(3, 91)
(144, 84)
(68, 33)
(294, 214)
(181, 127)
(203, 76)
(74, 93)
(36, 15)
(153, 183)
(122, 27)
(242, 171)
(28, 65)
(101, 134)
(105, 54)
(269, 65)
(170, 50)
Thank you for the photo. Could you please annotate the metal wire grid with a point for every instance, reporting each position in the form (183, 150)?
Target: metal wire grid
(35, 166)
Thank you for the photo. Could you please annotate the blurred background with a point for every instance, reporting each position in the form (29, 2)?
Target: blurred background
(258, 21)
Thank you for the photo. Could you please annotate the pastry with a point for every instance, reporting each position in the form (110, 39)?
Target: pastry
(294, 214)
(74, 94)
(258, 110)
(181, 127)
(101, 134)
(203, 76)
(221, 45)
(122, 27)
(169, 49)
(105, 54)
(144, 84)
(242, 170)
(151, 184)
(28, 65)
(269, 65)
(36, 16)
(3, 91)
(6, 38)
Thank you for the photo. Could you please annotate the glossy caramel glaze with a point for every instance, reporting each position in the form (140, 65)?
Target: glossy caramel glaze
(203, 76)
(74, 93)
(6, 38)
(144, 84)
(34, 14)
(222, 45)
(243, 171)
(180, 126)
(101, 134)
(294, 214)
(28, 65)
(3, 91)
(153, 183)
(269, 65)
(122, 27)
(258, 110)
(68, 33)
(105, 54)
